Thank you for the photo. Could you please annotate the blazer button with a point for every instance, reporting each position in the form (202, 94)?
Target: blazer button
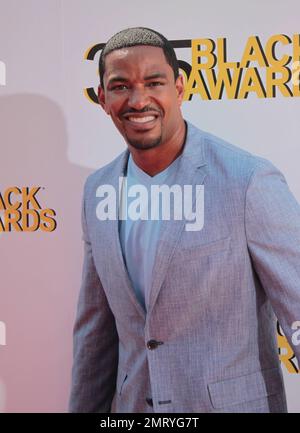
(149, 401)
(152, 344)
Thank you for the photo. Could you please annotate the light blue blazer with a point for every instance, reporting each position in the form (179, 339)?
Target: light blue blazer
(208, 340)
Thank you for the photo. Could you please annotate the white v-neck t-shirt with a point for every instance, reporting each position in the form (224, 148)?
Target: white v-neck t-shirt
(139, 238)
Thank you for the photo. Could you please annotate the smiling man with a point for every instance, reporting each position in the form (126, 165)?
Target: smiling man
(171, 320)
(142, 93)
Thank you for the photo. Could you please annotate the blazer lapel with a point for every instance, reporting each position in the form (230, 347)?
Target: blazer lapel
(118, 266)
(191, 171)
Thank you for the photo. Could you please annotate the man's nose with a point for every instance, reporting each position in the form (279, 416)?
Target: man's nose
(138, 99)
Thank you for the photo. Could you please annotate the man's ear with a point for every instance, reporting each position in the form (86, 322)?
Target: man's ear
(101, 99)
(180, 88)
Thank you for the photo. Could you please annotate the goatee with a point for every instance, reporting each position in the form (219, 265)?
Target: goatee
(144, 145)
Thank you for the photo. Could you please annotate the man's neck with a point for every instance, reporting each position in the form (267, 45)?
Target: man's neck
(153, 161)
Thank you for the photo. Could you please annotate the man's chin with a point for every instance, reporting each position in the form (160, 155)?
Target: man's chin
(144, 144)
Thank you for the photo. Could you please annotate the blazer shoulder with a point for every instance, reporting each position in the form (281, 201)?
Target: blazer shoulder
(103, 174)
(231, 159)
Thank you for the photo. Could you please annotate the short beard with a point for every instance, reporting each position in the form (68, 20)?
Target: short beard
(140, 145)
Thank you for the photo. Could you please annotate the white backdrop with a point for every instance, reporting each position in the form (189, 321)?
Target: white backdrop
(52, 136)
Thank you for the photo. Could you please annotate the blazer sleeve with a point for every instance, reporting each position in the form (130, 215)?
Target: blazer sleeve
(272, 222)
(95, 341)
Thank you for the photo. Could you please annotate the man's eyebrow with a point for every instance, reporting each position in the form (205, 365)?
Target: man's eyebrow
(116, 78)
(155, 75)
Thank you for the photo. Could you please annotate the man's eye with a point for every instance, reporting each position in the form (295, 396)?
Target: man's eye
(155, 84)
(119, 87)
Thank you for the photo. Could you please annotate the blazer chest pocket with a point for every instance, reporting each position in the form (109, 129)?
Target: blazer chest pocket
(197, 252)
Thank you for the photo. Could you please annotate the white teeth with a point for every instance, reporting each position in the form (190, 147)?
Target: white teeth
(141, 119)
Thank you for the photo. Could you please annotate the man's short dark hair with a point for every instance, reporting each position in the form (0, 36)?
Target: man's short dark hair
(134, 36)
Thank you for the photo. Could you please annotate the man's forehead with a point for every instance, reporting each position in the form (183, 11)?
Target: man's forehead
(137, 55)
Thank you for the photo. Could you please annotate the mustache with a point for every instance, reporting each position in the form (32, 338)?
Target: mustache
(144, 110)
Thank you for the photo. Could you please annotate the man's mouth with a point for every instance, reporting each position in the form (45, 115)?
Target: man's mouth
(144, 119)
(141, 121)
